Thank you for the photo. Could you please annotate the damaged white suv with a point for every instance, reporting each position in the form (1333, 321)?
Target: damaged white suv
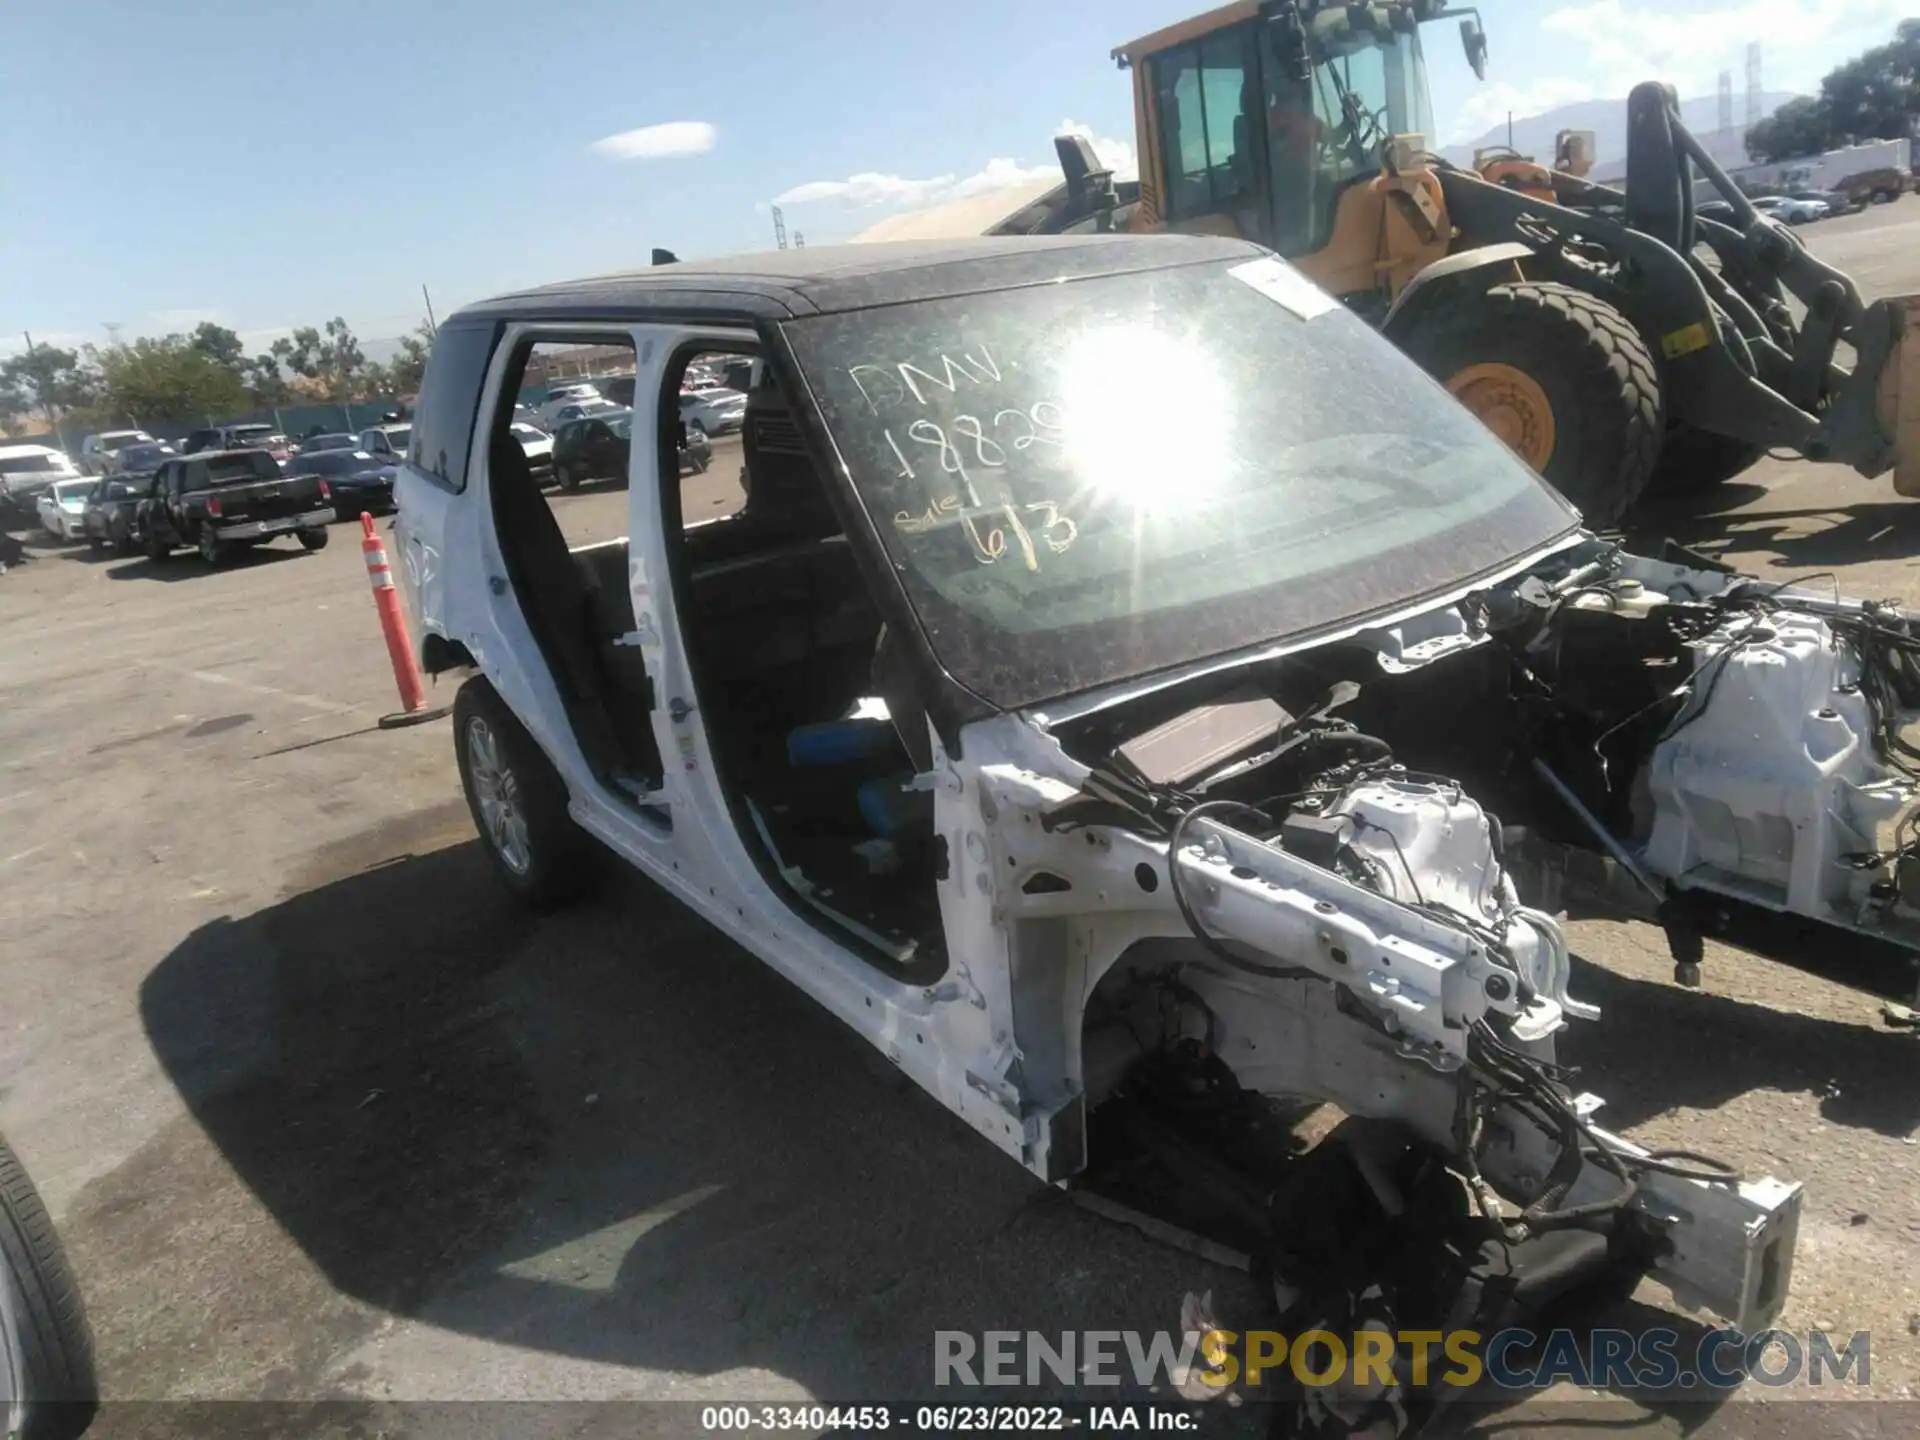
(1128, 678)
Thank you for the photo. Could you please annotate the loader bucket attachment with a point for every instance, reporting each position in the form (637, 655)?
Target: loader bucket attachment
(1897, 402)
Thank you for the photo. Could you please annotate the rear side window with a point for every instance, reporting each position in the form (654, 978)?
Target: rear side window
(449, 400)
(225, 469)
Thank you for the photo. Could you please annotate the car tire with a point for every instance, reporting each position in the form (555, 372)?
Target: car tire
(314, 539)
(564, 477)
(699, 427)
(211, 549)
(519, 803)
(96, 544)
(1549, 344)
(700, 464)
(48, 1341)
(157, 549)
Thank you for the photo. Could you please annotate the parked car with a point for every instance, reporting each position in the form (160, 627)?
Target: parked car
(1836, 202)
(62, 505)
(219, 501)
(26, 470)
(330, 441)
(97, 451)
(713, 412)
(141, 460)
(358, 482)
(111, 509)
(386, 443)
(558, 417)
(696, 454)
(536, 444)
(619, 390)
(242, 435)
(1088, 769)
(593, 448)
(1794, 212)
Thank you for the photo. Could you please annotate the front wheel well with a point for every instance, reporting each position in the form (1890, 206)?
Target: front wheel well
(439, 655)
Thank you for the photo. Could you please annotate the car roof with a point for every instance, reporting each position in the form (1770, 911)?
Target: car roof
(825, 279)
(12, 452)
(220, 454)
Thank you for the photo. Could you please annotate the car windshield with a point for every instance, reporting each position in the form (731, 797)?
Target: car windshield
(122, 490)
(144, 454)
(73, 492)
(1089, 481)
(30, 464)
(331, 442)
(621, 425)
(397, 436)
(120, 439)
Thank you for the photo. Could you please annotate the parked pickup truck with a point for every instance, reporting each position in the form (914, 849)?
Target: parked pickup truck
(220, 500)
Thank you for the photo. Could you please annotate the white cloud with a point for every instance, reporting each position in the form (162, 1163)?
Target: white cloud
(1487, 105)
(1621, 42)
(658, 142)
(872, 190)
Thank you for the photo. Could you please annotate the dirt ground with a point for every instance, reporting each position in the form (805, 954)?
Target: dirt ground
(321, 1115)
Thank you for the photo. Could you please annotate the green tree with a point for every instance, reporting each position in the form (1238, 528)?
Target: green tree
(1874, 96)
(48, 379)
(332, 360)
(1800, 127)
(409, 364)
(170, 378)
(220, 345)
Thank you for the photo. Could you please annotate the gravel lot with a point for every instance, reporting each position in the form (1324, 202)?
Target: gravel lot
(320, 1115)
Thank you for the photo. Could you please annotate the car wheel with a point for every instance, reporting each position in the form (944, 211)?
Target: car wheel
(314, 539)
(96, 544)
(125, 546)
(157, 549)
(519, 803)
(49, 1346)
(565, 478)
(698, 427)
(700, 464)
(211, 550)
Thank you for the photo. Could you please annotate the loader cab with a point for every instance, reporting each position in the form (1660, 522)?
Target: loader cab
(1256, 121)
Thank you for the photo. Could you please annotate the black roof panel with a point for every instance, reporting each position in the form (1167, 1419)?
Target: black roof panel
(822, 279)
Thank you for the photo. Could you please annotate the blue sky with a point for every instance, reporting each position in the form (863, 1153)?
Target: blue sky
(274, 163)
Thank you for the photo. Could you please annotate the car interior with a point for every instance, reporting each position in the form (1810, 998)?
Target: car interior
(799, 693)
(796, 685)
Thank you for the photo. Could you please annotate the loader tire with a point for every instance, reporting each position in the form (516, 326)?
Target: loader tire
(1560, 376)
(1693, 460)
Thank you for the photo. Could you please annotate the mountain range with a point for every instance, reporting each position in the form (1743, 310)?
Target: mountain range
(1534, 134)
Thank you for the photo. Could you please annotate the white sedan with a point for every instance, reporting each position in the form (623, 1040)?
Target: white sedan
(1794, 212)
(63, 506)
(558, 415)
(713, 412)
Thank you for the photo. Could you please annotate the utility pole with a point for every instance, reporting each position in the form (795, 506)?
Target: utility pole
(1509, 130)
(432, 324)
(779, 229)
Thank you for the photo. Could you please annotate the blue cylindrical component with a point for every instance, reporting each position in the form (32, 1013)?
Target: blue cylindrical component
(839, 742)
(891, 809)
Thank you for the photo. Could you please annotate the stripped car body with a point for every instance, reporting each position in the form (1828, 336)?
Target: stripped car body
(1160, 730)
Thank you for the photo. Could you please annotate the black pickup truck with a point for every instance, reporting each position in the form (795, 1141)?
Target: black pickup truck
(221, 500)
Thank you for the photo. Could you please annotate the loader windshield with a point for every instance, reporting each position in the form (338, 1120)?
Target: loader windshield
(1088, 481)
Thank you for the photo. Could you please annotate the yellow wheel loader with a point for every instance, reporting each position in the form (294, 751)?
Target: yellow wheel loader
(1614, 337)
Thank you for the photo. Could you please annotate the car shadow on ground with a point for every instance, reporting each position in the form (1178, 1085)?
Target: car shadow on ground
(1646, 1057)
(606, 1135)
(187, 565)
